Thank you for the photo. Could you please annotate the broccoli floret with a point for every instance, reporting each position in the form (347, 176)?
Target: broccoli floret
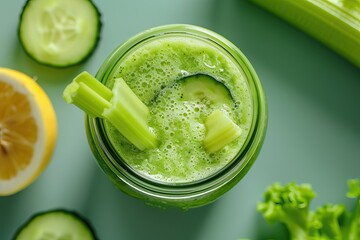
(325, 222)
(352, 225)
(288, 204)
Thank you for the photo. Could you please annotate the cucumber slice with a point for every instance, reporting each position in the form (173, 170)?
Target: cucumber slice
(205, 88)
(56, 224)
(59, 33)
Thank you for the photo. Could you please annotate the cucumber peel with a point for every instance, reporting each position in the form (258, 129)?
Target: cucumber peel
(120, 106)
(56, 224)
(59, 33)
(205, 88)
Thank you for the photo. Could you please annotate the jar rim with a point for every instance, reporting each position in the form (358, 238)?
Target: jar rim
(245, 157)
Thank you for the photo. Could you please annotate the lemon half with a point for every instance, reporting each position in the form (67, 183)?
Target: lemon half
(28, 131)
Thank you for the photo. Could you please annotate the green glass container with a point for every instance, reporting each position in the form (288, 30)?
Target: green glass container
(188, 194)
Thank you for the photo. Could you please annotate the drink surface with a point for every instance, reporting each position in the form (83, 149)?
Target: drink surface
(154, 70)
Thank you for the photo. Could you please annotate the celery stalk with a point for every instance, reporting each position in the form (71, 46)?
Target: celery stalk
(124, 95)
(102, 90)
(221, 131)
(129, 115)
(335, 23)
(88, 99)
(120, 106)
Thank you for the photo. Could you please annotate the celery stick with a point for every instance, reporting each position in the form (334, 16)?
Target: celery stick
(335, 23)
(221, 131)
(130, 116)
(120, 106)
(88, 79)
(86, 98)
(122, 93)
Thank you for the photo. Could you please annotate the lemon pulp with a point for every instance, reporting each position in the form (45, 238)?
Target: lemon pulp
(28, 130)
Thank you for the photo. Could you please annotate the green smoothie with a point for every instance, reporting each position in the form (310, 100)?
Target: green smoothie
(157, 70)
(175, 116)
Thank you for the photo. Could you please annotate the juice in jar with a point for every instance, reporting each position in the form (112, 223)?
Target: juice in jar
(156, 71)
(161, 66)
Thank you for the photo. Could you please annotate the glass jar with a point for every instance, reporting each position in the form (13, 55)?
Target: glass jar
(190, 194)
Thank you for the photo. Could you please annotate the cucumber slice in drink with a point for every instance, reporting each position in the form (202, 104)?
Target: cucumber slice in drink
(59, 33)
(56, 224)
(205, 88)
(220, 129)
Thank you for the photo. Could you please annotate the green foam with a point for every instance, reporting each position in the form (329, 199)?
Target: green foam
(153, 71)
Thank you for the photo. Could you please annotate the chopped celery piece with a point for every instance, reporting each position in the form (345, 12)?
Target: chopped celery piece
(335, 23)
(221, 131)
(124, 95)
(84, 93)
(130, 116)
(102, 90)
(120, 106)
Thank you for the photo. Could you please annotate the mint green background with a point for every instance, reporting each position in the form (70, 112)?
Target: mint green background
(313, 132)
